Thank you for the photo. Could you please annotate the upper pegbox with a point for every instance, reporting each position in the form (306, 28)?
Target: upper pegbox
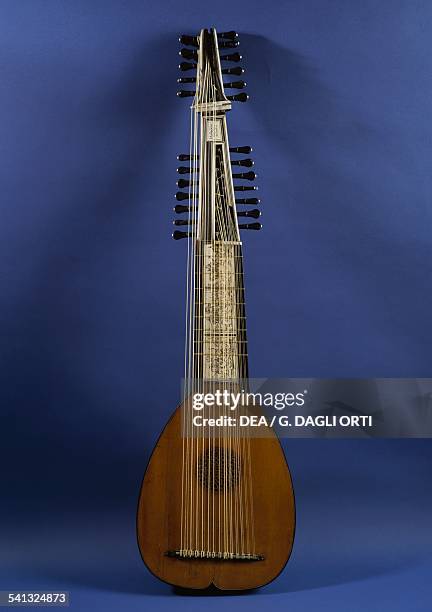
(204, 57)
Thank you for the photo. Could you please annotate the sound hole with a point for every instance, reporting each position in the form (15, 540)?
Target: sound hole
(219, 469)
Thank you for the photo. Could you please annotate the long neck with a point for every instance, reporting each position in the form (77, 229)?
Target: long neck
(220, 345)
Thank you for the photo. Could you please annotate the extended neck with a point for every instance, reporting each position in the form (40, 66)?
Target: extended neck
(220, 346)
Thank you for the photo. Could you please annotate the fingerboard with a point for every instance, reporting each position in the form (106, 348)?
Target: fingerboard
(220, 325)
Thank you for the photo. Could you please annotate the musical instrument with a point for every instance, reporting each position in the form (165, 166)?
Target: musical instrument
(216, 504)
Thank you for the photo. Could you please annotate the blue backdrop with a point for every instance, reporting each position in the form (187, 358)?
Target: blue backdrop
(92, 286)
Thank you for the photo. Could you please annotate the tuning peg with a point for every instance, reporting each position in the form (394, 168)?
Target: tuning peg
(184, 183)
(183, 93)
(187, 66)
(245, 188)
(236, 71)
(180, 208)
(179, 235)
(245, 150)
(186, 80)
(235, 85)
(249, 176)
(231, 35)
(189, 54)
(180, 196)
(241, 97)
(228, 44)
(192, 41)
(186, 169)
(248, 201)
(250, 226)
(247, 163)
(186, 157)
(183, 222)
(231, 57)
(255, 213)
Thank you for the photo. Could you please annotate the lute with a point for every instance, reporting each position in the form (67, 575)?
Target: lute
(216, 505)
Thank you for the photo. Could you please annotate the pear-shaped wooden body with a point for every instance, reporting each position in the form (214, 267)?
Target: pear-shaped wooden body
(159, 517)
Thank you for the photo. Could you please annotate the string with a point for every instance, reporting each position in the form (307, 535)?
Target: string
(217, 500)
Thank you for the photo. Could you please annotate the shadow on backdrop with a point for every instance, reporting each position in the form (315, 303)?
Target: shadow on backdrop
(72, 364)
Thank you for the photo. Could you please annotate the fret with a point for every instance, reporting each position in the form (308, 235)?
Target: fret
(234, 246)
(221, 288)
(231, 303)
(225, 319)
(233, 256)
(212, 333)
(224, 336)
(210, 355)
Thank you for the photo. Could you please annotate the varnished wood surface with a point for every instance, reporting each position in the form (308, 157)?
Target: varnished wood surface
(159, 517)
